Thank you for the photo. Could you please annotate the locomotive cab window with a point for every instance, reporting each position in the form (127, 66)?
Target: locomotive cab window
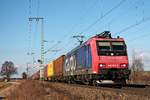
(103, 46)
(118, 46)
(107, 48)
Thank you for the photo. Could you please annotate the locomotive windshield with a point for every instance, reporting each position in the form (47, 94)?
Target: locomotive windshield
(108, 48)
(118, 46)
(104, 46)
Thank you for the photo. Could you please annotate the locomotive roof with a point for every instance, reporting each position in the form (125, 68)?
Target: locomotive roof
(104, 36)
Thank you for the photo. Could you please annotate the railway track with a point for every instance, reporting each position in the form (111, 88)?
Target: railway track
(124, 85)
(111, 85)
(129, 91)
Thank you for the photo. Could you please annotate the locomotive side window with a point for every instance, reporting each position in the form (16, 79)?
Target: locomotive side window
(81, 57)
(88, 57)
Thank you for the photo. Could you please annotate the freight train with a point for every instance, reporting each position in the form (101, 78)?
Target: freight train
(100, 59)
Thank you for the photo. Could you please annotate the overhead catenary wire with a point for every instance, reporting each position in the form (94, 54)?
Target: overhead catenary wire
(81, 18)
(141, 36)
(51, 49)
(71, 31)
(69, 41)
(143, 19)
(115, 18)
(138, 37)
(137, 22)
(66, 36)
(84, 14)
(101, 17)
(133, 25)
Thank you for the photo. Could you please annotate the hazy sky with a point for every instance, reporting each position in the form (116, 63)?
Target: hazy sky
(65, 18)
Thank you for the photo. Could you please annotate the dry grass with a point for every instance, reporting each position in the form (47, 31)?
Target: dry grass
(3, 85)
(86, 93)
(37, 90)
(140, 77)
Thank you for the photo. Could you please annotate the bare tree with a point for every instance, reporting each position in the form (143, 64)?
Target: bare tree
(136, 68)
(137, 64)
(8, 69)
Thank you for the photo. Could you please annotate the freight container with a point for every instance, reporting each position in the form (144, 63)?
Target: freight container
(54, 68)
(50, 69)
(58, 66)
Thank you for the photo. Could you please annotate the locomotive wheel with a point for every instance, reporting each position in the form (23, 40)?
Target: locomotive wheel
(86, 82)
(94, 83)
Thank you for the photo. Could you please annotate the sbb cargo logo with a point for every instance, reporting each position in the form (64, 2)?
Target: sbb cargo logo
(70, 63)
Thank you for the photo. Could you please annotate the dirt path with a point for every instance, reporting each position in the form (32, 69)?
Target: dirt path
(7, 88)
(38, 90)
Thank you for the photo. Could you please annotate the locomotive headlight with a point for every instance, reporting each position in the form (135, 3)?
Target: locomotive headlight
(123, 65)
(102, 65)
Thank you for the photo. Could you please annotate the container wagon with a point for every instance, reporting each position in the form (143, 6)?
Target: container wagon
(54, 70)
(58, 68)
(48, 71)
